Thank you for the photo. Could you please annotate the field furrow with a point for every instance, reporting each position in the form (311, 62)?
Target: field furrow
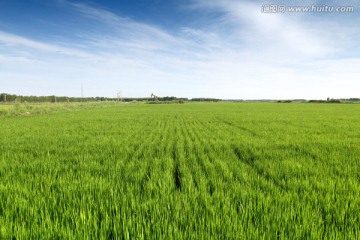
(185, 171)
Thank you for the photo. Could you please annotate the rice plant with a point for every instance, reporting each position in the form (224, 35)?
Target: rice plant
(190, 171)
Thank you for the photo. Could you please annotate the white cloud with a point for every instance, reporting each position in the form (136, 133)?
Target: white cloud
(288, 35)
(16, 43)
(241, 54)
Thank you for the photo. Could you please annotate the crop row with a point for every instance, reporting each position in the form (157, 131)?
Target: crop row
(237, 171)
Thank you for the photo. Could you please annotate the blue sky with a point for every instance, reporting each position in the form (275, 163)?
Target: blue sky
(186, 48)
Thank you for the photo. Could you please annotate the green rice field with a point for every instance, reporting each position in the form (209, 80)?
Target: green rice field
(182, 171)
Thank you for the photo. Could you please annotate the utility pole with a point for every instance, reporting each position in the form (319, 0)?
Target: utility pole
(5, 98)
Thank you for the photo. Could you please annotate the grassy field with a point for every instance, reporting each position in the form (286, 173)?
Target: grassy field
(187, 171)
(5, 107)
(27, 109)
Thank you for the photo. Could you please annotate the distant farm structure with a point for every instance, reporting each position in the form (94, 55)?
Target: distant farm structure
(153, 96)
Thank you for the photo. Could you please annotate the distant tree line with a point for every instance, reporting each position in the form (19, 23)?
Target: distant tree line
(328, 100)
(333, 100)
(205, 100)
(325, 101)
(12, 98)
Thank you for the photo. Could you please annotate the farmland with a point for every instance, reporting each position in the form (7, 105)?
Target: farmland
(186, 171)
(26, 109)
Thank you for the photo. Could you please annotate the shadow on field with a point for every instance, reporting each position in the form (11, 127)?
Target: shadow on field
(247, 157)
(176, 173)
(244, 129)
(244, 156)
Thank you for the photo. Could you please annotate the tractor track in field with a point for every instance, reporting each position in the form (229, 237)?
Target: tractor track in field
(241, 128)
(152, 151)
(213, 166)
(188, 146)
(247, 157)
(176, 159)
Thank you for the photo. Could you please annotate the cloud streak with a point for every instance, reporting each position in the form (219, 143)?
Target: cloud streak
(242, 53)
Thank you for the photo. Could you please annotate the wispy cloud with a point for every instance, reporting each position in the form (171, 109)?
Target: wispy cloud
(301, 36)
(15, 43)
(242, 53)
(288, 55)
